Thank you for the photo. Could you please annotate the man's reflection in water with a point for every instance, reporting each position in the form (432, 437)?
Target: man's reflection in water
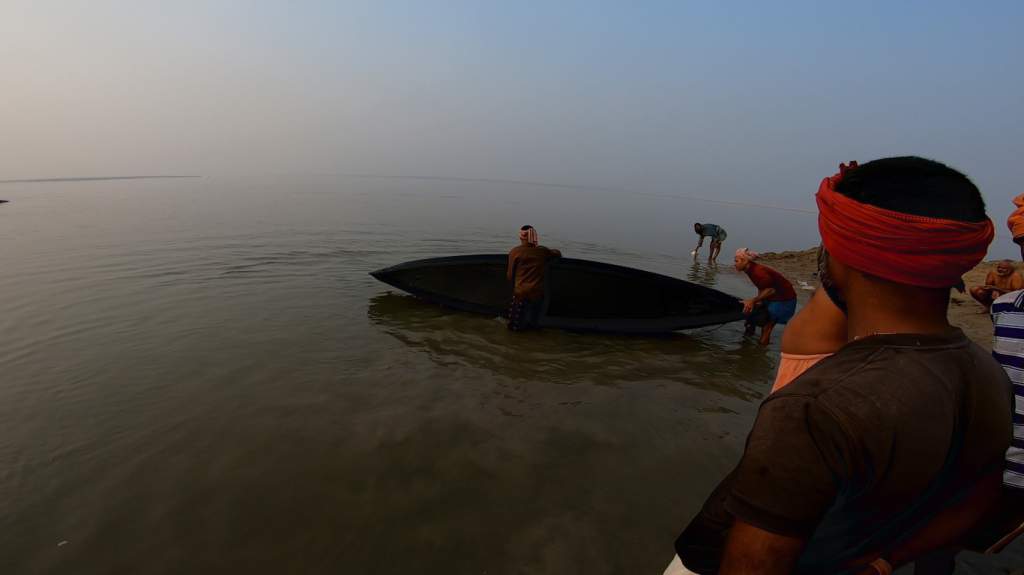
(703, 273)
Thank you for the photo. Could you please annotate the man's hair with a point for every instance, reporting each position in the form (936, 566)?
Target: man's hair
(526, 227)
(698, 226)
(913, 185)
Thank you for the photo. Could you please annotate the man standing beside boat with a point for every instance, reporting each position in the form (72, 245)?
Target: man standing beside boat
(527, 263)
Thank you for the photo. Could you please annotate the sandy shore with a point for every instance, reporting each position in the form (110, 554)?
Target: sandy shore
(964, 312)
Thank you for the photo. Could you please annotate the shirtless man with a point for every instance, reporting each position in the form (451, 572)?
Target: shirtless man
(1003, 280)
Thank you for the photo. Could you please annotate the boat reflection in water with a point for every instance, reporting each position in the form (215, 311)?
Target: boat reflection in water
(715, 359)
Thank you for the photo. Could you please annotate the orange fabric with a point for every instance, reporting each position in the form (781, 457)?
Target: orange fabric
(1016, 220)
(792, 365)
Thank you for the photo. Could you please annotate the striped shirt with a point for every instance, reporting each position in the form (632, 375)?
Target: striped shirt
(1008, 349)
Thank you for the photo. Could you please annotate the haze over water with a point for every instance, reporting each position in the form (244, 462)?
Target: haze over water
(200, 374)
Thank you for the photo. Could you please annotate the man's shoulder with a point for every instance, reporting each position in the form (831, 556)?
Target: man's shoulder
(861, 366)
(530, 251)
(860, 377)
(1008, 323)
(848, 366)
(766, 269)
(1012, 301)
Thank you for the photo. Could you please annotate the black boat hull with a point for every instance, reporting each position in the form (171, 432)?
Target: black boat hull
(581, 295)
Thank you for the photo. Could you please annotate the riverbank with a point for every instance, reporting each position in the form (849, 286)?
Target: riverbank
(801, 267)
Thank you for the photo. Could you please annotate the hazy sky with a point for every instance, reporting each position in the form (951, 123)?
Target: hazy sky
(725, 99)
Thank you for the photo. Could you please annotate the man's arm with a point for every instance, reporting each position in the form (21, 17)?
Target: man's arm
(790, 474)
(510, 271)
(749, 549)
(763, 295)
(555, 253)
(1016, 282)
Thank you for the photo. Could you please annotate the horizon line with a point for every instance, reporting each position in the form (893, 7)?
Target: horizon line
(89, 179)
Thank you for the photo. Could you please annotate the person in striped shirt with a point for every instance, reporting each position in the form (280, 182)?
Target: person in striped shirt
(1008, 350)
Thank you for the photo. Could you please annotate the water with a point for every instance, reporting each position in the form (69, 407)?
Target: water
(199, 376)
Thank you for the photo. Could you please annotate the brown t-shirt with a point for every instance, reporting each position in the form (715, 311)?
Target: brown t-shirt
(526, 266)
(861, 448)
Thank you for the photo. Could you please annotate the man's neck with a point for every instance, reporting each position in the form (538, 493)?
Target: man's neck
(877, 313)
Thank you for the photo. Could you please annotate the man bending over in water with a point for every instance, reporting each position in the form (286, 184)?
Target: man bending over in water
(526, 265)
(1003, 280)
(717, 235)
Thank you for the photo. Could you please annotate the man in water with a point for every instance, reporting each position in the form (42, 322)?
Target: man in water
(901, 425)
(526, 265)
(1003, 280)
(717, 235)
(775, 301)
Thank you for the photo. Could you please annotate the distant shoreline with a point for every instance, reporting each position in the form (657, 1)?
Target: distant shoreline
(90, 179)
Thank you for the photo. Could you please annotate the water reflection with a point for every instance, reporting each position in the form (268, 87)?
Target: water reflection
(717, 359)
(705, 274)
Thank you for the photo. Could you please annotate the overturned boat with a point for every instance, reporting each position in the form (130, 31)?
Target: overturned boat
(580, 295)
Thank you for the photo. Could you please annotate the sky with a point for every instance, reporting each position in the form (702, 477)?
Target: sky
(746, 101)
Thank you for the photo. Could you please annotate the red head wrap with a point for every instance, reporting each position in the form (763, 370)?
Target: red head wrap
(903, 248)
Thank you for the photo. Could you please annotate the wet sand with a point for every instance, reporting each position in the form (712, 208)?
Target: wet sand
(964, 312)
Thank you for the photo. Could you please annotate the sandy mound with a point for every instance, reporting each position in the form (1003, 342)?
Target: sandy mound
(801, 269)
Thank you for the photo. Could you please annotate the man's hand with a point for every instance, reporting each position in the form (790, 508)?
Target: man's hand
(748, 305)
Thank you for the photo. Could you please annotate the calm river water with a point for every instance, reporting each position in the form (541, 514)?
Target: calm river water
(198, 375)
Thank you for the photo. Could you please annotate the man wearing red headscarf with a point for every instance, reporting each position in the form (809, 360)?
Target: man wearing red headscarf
(850, 467)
